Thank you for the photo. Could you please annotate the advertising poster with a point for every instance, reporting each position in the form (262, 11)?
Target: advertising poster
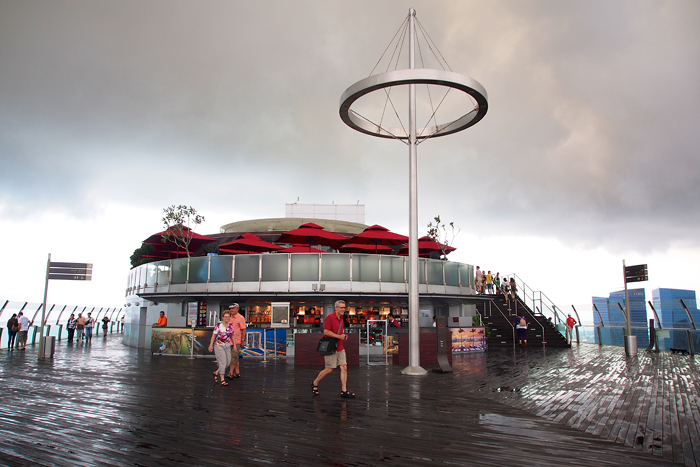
(472, 339)
(178, 341)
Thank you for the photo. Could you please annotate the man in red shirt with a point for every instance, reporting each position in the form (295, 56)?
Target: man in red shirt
(333, 327)
(570, 323)
(238, 342)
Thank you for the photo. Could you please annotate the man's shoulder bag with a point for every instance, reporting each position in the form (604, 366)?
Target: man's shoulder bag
(328, 345)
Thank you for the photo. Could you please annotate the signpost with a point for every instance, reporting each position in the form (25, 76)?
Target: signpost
(636, 273)
(61, 271)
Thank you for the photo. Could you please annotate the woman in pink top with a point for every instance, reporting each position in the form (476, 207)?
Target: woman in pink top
(220, 344)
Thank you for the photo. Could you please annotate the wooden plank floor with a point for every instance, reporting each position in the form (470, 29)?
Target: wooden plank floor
(648, 403)
(107, 404)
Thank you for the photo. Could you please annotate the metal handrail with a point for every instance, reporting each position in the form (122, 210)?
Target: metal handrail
(538, 322)
(528, 295)
(505, 317)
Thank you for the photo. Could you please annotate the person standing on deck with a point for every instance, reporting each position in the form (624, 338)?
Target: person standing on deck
(570, 323)
(70, 326)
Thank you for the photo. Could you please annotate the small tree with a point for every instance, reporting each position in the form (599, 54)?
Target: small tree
(138, 257)
(180, 222)
(442, 234)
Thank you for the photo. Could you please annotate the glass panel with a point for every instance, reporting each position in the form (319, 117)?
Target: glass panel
(336, 267)
(392, 269)
(163, 272)
(434, 271)
(221, 268)
(151, 274)
(274, 267)
(247, 268)
(142, 275)
(365, 268)
(179, 270)
(452, 273)
(421, 270)
(199, 269)
(305, 267)
(466, 275)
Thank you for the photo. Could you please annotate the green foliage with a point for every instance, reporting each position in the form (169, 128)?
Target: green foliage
(441, 233)
(180, 222)
(137, 258)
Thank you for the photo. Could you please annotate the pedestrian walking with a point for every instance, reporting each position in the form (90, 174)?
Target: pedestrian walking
(570, 323)
(70, 326)
(513, 289)
(238, 342)
(333, 327)
(521, 329)
(80, 326)
(24, 325)
(479, 280)
(497, 282)
(220, 344)
(105, 326)
(89, 324)
(489, 282)
(12, 328)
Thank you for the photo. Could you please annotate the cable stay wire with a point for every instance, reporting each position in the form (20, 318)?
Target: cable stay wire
(398, 31)
(399, 47)
(381, 128)
(445, 128)
(427, 87)
(430, 41)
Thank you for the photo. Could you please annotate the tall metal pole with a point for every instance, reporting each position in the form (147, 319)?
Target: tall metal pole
(42, 340)
(628, 323)
(413, 367)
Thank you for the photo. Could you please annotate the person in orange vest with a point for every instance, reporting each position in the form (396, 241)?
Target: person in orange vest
(570, 323)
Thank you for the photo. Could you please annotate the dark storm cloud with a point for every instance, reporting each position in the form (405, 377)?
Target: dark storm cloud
(590, 135)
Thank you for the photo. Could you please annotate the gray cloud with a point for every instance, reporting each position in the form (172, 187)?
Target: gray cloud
(590, 136)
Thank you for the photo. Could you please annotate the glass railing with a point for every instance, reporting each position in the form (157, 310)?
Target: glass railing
(56, 318)
(309, 267)
(667, 339)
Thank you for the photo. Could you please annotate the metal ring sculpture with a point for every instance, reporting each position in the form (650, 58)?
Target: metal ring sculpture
(414, 76)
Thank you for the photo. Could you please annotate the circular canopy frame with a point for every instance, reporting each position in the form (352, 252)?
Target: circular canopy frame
(414, 76)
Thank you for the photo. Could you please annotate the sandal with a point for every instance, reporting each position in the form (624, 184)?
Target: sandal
(314, 389)
(237, 375)
(347, 394)
(230, 376)
(224, 383)
(216, 377)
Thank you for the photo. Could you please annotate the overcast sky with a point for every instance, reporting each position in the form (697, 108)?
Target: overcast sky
(112, 110)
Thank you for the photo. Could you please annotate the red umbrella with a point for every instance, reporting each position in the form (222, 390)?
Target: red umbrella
(250, 243)
(312, 234)
(227, 251)
(358, 248)
(378, 235)
(301, 249)
(196, 243)
(426, 246)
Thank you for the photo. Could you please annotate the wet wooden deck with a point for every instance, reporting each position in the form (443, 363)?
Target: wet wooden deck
(107, 404)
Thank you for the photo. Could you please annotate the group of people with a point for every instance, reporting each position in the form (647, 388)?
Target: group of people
(18, 326)
(227, 340)
(488, 284)
(229, 335)
(84, 326)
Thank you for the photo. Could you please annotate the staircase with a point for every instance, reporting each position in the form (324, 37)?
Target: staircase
(496, 314)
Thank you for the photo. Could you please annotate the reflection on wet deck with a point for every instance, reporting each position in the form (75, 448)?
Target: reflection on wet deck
(113, 405)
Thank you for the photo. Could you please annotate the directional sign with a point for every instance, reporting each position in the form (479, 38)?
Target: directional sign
(70, 271)
(67, 277)
(636, 273)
